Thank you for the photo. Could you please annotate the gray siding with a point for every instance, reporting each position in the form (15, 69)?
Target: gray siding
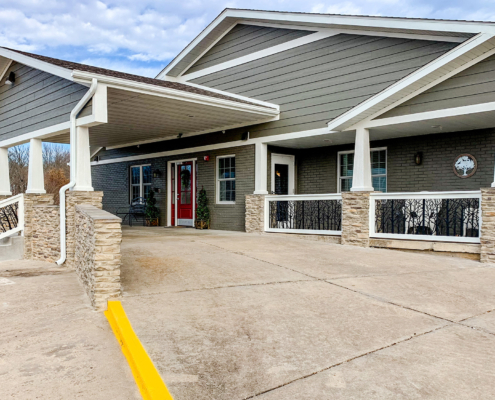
(243, 40)
(113, 180)
(475, 85)
(37, 100)
(317, 168)
(317, 82)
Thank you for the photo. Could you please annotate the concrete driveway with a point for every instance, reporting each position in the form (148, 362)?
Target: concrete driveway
(237, 316)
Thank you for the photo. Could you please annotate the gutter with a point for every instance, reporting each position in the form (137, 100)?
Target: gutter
(73, 162)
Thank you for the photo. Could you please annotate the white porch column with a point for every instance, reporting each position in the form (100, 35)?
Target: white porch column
(361, 177)
(4, 172)
(36, 178)
(83, 161)
(260, 168)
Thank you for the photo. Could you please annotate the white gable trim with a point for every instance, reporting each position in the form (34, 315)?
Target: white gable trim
(261, 54)
(436, 71)
(2, 73)
(401, 24)
(37, 64)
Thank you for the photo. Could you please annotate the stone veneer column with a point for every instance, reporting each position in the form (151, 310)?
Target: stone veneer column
(355, 218)
(46, 233)
(32, 200)
(74, 198)
(255, 213)
(487, 254)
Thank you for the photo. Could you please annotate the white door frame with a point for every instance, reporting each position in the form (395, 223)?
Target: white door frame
(286, 159)
(169, 189)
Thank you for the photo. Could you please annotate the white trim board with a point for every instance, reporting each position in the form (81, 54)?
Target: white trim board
(435, 71)
(2, 73)
(261, 54)
(400, 24)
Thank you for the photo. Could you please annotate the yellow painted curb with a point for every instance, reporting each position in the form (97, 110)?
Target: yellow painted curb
(147, 378)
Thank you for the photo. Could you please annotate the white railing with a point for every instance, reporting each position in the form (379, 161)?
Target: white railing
(11, 216)
(314, 214)
(433, 216)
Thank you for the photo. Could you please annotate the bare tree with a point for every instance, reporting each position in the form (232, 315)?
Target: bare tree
(18, 168)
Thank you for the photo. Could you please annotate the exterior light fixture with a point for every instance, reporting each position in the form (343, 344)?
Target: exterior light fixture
(156, 173)
(418, 158)
(11, 79)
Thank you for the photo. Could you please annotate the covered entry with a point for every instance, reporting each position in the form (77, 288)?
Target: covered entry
(181, 192)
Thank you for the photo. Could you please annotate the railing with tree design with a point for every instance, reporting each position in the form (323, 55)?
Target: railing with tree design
(438, 216)
(307, 214)
(11, 216)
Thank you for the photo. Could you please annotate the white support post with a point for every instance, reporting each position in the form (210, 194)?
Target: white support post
(361, 177)
(260, 169)
(4, 173)
(36, 179)
(493, 183)
(83, 161)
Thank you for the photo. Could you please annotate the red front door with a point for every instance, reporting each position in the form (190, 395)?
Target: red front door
(185, 193)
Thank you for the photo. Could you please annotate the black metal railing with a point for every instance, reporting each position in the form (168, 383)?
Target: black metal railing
(318, 215)
(9, 217)
(429, 216)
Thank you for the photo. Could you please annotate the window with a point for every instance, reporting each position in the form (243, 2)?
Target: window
(140, 181)
(378, 169)
(226, 180)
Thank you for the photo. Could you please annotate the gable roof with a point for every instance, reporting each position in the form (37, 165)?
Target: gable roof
(230, 17)
(72, 66)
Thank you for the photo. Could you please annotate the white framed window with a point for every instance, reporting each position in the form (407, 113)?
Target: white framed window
(345, 167)
(226, 179)
(140, 181)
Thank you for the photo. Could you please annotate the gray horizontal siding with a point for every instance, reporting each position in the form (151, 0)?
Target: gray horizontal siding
(37, 100)
(243, 40)
(317, 82)
(475, 85)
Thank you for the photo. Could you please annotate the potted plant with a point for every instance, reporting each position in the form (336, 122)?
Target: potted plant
(202, 212)
(151, 211)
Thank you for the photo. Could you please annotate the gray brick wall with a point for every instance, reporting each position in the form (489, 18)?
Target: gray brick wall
(317, 168)
(113, 180)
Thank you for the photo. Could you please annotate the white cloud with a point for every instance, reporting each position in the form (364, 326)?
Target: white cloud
(145, 35)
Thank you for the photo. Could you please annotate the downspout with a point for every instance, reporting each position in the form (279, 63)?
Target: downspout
(73, 155)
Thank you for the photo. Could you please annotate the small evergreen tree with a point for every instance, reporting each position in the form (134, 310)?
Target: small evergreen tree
(202, 212)
(151, 210)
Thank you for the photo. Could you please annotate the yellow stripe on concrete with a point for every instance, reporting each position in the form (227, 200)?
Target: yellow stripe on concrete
(147, 377)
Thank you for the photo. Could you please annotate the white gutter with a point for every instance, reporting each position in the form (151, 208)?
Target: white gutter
(73, 162)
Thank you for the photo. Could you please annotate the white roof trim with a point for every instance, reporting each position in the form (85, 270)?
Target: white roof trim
(181, 95)
(2, 73)
(38, 64)
(260, 54)
(355, 21)
(455, 57)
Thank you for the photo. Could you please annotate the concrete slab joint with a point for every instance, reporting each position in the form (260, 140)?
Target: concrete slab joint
(355, 218)
(487, 253)
(97, 261)
(255, 213)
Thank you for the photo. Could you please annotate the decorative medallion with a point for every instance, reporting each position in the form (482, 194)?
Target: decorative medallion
(465, 166)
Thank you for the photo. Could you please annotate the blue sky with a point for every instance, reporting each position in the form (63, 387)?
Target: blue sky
(141, 37)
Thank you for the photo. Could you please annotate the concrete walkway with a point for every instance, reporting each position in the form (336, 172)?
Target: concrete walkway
(236, 316)
(53, 345)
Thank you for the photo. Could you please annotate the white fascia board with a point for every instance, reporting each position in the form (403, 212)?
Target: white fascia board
(436, 38)
(411, 80)
(234, 95)
(261, 54)
(44, 133)
(163, 139)
(37, 64)
(2, 73)
(144, 88)
(354, 21)
(428, 115)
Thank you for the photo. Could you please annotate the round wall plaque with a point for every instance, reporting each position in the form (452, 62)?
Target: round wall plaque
(465, 165)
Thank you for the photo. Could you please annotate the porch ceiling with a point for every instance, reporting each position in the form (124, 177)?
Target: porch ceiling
(134, 117)
(481, 120)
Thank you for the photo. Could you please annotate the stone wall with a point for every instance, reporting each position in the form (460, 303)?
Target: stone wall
(31, 201)
(355, 218)
(74, 198)
(97, 253)
(255, 213)
(487, 254)
(45, 240)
